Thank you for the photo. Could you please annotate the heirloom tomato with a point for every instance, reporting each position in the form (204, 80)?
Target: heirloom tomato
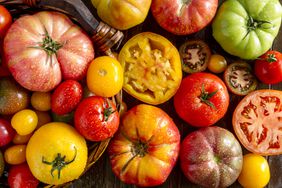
(184, 17)
(96, 118)
(247, 28)
(43, 48)
(122, 14)
(5, 21)
(152, 68)
(257, 122)
(105, 76)
(255, 171)
(146, 147)
(211, 157)
(20, 176)
(56, 153)
(202, 99)
(268, 67)
(6, 132)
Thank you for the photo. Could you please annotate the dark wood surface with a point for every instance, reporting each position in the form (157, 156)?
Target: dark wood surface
(101, 176)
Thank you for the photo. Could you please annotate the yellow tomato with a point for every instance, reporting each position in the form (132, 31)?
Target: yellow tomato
(24, 121)
(15, 154)
(122, 14)
(41, 101)
(56, 153)
(255, 172)
(217, 63)
(21, 139)
(105, 76)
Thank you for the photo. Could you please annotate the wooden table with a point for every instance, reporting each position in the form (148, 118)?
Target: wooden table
(101, 176)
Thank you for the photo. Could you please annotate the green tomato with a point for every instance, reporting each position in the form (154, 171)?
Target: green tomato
(247, 28)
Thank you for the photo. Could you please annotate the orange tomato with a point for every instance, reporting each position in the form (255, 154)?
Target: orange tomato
(15, 154)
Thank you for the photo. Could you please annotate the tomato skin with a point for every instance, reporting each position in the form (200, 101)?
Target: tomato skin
(66, 97)
(92, 121)
(15, 154)
(189, 106)
(255, 167)
(269, 71)
(7, 133)
(41, 101)
(20, 176)
(5, 21)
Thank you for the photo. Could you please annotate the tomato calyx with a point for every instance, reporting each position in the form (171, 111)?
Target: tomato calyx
(271, 58)
(108, 111)
(205, 96)
(59, 163)
(254, 24)
(140, 148)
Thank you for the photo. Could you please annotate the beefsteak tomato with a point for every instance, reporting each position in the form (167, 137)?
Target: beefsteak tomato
(202, 99)
(146, 147)
(247, 28)
(42, 48)
(257, 122)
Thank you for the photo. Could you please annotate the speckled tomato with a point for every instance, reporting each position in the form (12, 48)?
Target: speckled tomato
(43, 48)
(146, 147)
(211, 157)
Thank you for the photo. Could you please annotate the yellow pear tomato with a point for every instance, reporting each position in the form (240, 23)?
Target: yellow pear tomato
(56, 153)
(24, 121)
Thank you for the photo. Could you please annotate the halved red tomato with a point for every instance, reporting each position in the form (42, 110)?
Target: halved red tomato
(257, 122)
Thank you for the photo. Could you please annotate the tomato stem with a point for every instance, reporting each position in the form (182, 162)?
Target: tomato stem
(108, 111)
(59, 163)
(271, 58)
(254, 24)
(206, 96)
(140, 149)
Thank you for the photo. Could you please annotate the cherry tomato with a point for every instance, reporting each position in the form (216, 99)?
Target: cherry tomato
(66, 118)
(41, 101)
(195, 55)
(202, 99)
(6, 132)
(21, 139)
(20, 176)
(66, 97)
(15, 154)
(105, 76)
(24, 121)
(257, 122)
(268, 67)
(5, 21)
(96, 118)
(217, 63)
(43, 118)
(239, 78)
(255, 171)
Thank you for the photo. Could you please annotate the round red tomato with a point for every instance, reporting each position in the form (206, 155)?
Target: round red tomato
(268, 67)
(146, 147)
(7, 133)
(184, 17)
(42, 48)
(257, 122)
(21, 177)
(96, 118)
(66, 97)
(5, 21)
(202, 99)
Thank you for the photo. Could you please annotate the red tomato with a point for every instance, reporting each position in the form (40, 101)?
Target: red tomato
(268, 67)
(21, 177)
(5, 21)
(184, 17)
(96, 118)
(146, 147)
(66, 97)
(42, 48)
(7, 133)
(202, 99)
(257, 122)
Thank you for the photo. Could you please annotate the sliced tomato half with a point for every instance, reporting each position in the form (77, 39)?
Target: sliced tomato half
(257, 122)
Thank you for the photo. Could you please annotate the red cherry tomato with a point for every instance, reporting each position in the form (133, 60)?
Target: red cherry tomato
(268, 68)
(96, 118)
(7, 133)
(21, 177)
(5, 21)
(66, 97)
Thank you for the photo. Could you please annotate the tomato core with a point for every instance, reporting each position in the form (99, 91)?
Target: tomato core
(140, 149)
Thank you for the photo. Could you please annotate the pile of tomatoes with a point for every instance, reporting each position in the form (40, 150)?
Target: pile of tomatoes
(52, 110)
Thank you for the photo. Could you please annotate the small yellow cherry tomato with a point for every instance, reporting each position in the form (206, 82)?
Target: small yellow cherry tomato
(255, 171)
(217, 63)
(21, 139)
(15, 154)
(41, 101)
(24, 121)
(105, 76)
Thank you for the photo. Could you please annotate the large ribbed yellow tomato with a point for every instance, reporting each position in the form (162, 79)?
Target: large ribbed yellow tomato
(56, 153)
